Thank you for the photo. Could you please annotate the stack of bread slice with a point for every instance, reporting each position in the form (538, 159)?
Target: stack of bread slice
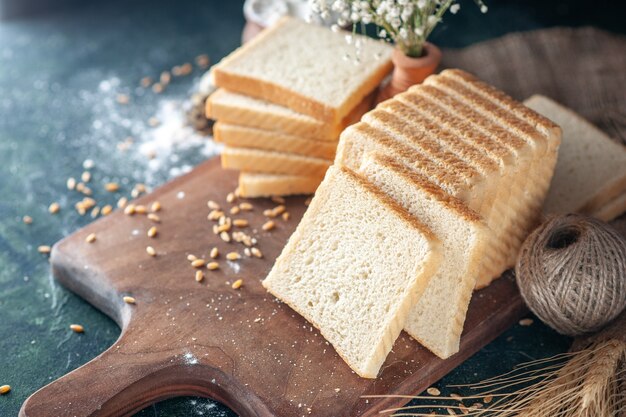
(464, 160)
(590, 176)
(285, 97)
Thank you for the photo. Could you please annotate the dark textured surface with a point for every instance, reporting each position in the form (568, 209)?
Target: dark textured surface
(58, 77)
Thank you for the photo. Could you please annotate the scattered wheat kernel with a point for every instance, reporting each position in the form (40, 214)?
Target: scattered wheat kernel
(5, 389)
(213, 205)
(215, 215)
(267, 212)
(129, 209)
(230, 197)
(44, 249)
(111, 187)
(308, 201)
(488, 399)
(278, 210)
(235, 210)
(106, 210)
(152, 232)
(214, 253)
(90, 238)
(71, 183)
(95, 212)
(286, 216)
(237, 284)
(157, 88)
(154, 218)
(269, 225)
(233, 256)
(129, 300)
(54, 208)
(198, 263)
(150, 250)
(155, 206)
(165, 77)
(245, 206)
(140, 209)
(225, 236)
(247, 252)
(433, 391)
(256, 252)
(526, 322)
(191, 257)
(86, 176)
(122, 99)
(77, 328)
(121, 203)
(27, 219)
(85, 190)
(212, 266)
(278, 199)
(146, 82)
(199, 276)
(202, 61)
(240, 222)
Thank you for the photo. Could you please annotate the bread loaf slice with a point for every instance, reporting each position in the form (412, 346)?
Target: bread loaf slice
(611, 210)
(248, 137)
(463, 237)
(307, 68)
(358, 292)
(253, 185)
(238, 109)
(270, 162)
(591, 169)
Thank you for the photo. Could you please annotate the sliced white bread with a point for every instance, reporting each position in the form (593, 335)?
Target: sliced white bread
(249, 137)
(611, 210)
(358, 292)
(307, 68)
(591, 169)
(463, 241)
(253, 185)
(540, 135)
(238, 109)
(270, 162)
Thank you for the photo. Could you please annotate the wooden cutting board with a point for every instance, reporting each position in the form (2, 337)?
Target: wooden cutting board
(241, 347)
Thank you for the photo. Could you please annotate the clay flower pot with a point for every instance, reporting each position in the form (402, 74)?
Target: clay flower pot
(409, 71)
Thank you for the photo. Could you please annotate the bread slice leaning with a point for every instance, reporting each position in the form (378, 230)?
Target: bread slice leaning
(611, 210)
(249, 137)
(304, 67)
(437, 319)
(331, 271)
(270, 162)
(254, 184)
(591, 168)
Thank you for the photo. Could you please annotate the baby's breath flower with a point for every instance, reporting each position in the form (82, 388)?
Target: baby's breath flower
(455, 8)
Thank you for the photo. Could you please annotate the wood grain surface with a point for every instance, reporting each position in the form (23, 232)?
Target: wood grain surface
(241, 347)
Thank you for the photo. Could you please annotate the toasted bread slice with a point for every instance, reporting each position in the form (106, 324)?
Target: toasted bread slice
(310, 74)
(437, 329)
(339, 282)
(253, 184)
(612, 210)
(270, 162)
(236, 136)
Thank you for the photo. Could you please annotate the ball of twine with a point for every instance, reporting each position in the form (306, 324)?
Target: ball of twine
(571, 272)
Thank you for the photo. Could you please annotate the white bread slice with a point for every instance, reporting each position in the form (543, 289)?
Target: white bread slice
(304, 67)
(353, 268)
(591, 169)
(438, 329)
(238, 109)
(611, 210)
(249, 137)
(270, 162)
(253, 184)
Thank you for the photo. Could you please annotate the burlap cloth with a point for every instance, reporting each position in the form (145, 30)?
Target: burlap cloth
(584, 69)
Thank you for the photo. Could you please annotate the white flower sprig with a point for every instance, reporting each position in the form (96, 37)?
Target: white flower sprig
(407, 23)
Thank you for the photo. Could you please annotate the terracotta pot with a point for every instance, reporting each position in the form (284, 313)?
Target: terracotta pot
(410, 71)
